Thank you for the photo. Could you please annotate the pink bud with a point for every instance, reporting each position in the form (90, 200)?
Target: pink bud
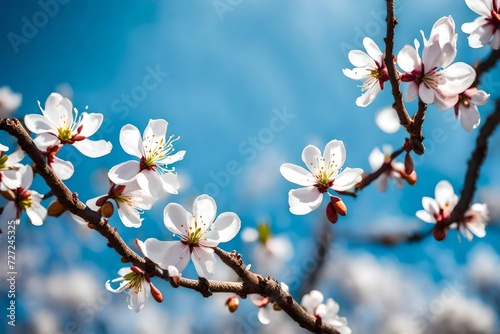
(408, 164)
(439, 233)
(338, 205)
(331, 213)
(155, 293)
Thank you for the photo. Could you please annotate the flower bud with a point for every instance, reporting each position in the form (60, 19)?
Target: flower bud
(331, 214)
(232, 303)
(439, 233)
(338, 205)
(412, 178)
(155, 293)
(101, 201)
(107, 209)
(55, 209)
(408, 164)
(276, 307)
(174, 275)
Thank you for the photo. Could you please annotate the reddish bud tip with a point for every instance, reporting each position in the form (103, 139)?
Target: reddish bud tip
(408, 164)
(331, 214)
(412, 178)
(338, 205)
(101, 201)
(155, 293)
(107, 209)
(232, 303)
(439, 233)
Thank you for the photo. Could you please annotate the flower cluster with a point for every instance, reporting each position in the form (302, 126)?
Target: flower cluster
(326, 313)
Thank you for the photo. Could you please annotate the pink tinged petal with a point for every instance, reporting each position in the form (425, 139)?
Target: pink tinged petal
(39, 124)
(369, 95)
(469, 117)
(425, 216)
(387, 120)
(170, 183)
(176, 219)
(347, 179)
(58, 110)
(170, 159)
(310, 155)
(297, 175)
(63, 169)
(481, 36)
(11, 179)
(225, 227)
(304, 200)
(373, 50)
(90, 123)
(131, 141)
(444, 194)
(495, 41)
(408, 59)
(426, 94)
(124, 172)
(480, 7)
(93, 149)
(360, 59)
(204, 210)
(129, 216)
(204, 261)
(334, 155)
(264, 315)
(168, 253)
(411, 92)
(479, 98)
(46, 140)
(156, 128)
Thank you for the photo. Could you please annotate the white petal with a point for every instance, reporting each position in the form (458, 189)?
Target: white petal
(170, 159)
(408, 59)
(90, 123)
(176, 219)
(372, 49)
(369, 95)
(37, 213)
(45, 141)
(59, 110)
(311, 301)
(304, 200)
(264, 316)
(430, 205)
(93, 149)
(444, 194)
(39, 124)
(480, 97)
(356, 74)
(425, 216)
(480, 7)
(360, 59)
(9, 212)
(150, 181)
(168, 253)
(297, 175)
(124, 172)
(170, 182)
(469, 117)
(129, 216)
(311, 156)
(347, 179)
(63, 169)
(387, 120)
(376, 158)
(11, 179)
(478, 229)
(157, 128)
(131, 141)
(225, 227)
(249, 234)
(459, 77)
(426, 93)
(204, 210)
(204, 261)
(412, 92)
(26, 176)
(334, 155)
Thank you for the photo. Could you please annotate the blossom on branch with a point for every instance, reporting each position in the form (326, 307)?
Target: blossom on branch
(23, 199)
(327, 313)
(433, 77)
(466, 107)
(438, 210)
(324, 174)
(199, 234)
(9, 101)
(58, 126)
(153, 172)
(266, 305)
(486, 28)
(394, 170)
(130, 200)
(370, 68)
(10, 177)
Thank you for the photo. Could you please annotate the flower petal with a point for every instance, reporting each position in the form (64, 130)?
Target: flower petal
(204, 261)
(225, 227)
(347, 179)
(334, 155)
(90, 123)
(445, 195)
(469, 117)
(297, 175)
(45, 141)
(204, 210)
(124, 172)
(93, 149)
(58, 110)
(311, 155)
(304, 200)
(63, 169)
(129, 216)
(176, 219)
(170, 183)
(131, 141)
(39, 124)
(168, 253)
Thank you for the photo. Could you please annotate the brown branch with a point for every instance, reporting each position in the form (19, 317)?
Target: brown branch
(474, 165)
(252, 283)
(368, 179)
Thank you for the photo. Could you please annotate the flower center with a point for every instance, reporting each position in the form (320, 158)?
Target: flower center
(64, 133)
(24, 199)
(134, 281)
(3, 160)
(156, 150)
(324, 182)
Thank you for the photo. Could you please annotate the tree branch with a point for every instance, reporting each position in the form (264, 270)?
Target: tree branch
(368, 179)
(252, 283)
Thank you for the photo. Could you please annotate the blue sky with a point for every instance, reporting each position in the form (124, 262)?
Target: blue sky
(223, 79)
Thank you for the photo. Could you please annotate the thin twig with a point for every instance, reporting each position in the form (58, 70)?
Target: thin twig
(368, 179)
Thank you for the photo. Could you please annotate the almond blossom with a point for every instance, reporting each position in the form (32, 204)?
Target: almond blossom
(23, 199)
(130, 200)
(9, 101)
(324, 174)
(438, 209)
(486, 28)
(433, 77)
(395, 170)
(60, 124)
(370, 68)
(466, 107)
(10, 177)
(153, 171)
(266, 305)
(199, 234)
(328, 313)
